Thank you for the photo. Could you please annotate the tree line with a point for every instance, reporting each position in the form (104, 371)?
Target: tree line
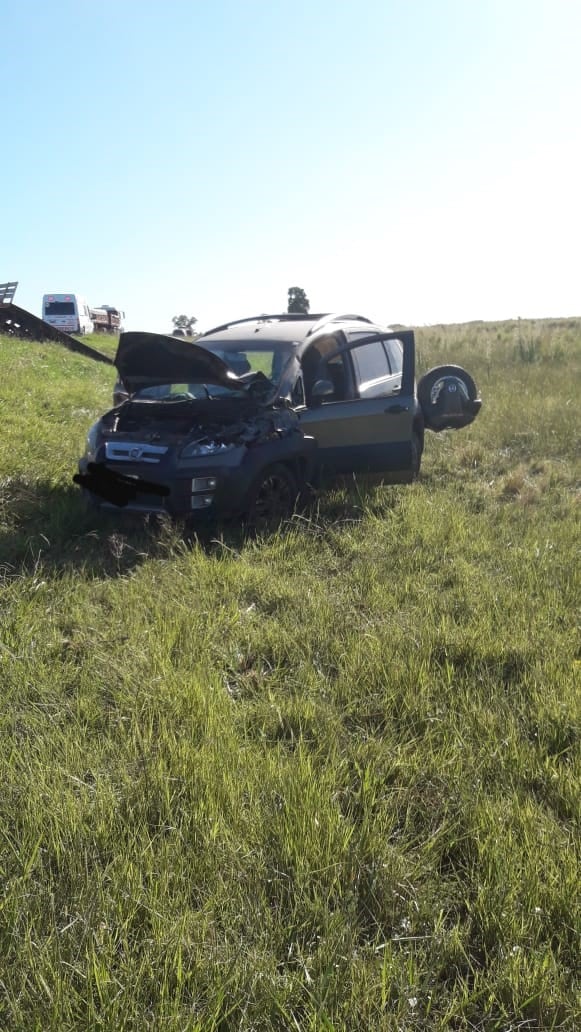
(297, 303)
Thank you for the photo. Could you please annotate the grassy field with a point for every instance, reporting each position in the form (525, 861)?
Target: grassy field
(324, 780)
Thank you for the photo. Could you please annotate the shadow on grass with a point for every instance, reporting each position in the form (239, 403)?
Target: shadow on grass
(52, 527)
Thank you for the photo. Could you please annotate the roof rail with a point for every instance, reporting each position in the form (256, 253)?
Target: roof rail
(7, 292)
(348, 317)
(320, 319)
(264, 317)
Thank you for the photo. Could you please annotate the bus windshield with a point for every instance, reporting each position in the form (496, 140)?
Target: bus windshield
(59, 308)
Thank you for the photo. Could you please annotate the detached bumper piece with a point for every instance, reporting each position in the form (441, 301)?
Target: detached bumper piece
(116, 488)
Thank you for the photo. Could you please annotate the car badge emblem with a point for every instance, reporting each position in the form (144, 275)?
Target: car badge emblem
(136, 453)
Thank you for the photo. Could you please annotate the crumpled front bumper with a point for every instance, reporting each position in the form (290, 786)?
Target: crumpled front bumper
(206, 487)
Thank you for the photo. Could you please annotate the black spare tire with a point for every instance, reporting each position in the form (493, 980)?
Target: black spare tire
(448, 398)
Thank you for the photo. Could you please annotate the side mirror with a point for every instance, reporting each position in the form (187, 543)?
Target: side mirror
(321, 389)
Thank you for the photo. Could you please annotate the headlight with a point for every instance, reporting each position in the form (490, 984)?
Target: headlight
(197, 448)
(92, 441)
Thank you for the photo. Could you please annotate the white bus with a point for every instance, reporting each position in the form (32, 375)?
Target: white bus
(67, 312)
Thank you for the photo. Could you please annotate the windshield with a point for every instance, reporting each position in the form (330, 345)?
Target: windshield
(242, 361)
(269, 359)
(59, 308)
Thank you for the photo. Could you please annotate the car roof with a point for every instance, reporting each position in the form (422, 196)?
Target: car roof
(286, 327)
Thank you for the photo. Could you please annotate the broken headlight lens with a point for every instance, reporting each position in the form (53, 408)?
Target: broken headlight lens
(197, 448)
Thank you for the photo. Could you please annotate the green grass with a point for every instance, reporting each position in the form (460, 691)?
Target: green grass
(328, 779)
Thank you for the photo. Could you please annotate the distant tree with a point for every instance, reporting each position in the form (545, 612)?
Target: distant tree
(184, 325)
(297, 300)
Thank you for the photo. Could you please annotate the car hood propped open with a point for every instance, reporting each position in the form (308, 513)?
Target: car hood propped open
(151, 359)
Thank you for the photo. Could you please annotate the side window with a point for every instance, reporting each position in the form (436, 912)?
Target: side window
(395, 355)
(370, 363)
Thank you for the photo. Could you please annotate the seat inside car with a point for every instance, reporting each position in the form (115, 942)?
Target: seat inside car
(316, 368)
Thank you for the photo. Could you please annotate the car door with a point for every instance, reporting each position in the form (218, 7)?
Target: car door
(370, 431)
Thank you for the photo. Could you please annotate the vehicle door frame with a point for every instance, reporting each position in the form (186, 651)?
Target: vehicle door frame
(359, 457)
(407, 339)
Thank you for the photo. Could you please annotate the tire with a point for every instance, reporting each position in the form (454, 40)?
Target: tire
(271, 498)
(435, 385)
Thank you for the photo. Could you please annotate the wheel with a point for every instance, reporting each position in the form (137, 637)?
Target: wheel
(272, 498)
(448, 398)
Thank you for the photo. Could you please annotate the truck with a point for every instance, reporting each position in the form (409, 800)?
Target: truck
(68, 313)
(107, 319)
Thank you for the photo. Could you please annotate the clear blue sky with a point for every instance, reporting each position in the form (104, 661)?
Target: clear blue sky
(418, 161)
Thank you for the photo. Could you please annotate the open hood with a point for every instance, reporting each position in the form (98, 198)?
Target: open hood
(151, 359)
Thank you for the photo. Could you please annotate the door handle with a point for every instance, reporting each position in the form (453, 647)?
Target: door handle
(396, 410)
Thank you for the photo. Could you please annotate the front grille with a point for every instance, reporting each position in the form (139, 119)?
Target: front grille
(128, 451)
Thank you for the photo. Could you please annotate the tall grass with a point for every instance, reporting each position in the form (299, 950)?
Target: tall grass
(327, 779)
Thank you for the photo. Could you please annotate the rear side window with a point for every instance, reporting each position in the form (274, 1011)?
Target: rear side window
(370, 362)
